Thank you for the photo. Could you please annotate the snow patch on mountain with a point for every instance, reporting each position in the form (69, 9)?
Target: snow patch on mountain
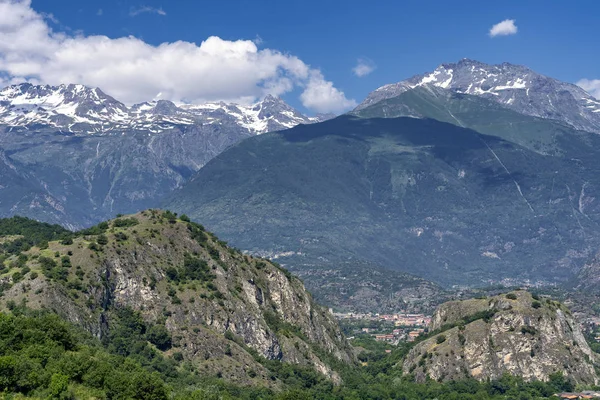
(80, 109)
(514, 86)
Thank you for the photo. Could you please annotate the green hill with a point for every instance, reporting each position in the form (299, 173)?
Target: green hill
(154, 286)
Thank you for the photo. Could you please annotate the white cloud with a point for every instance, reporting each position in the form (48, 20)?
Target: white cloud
(506, 27)
(363, 67)
(99, 12)
(592, 86)
(146, 9)
(134, 71)
(320, 95)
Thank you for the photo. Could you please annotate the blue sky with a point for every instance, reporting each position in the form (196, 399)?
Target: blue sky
(399, 38)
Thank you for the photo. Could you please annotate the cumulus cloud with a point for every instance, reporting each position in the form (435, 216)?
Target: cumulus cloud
(146, 9)
(592, 86)
(504, 28)
(363, 67)
(320, 95)
(134, 71)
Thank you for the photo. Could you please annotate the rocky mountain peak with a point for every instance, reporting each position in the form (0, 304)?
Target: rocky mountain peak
(514, 333)
(270, 99)
(513, 86)
(81, 109)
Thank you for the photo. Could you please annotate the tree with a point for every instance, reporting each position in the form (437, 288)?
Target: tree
(8, 373)
(159, 336)
(148, 386)
(59, 384)
(102, 240)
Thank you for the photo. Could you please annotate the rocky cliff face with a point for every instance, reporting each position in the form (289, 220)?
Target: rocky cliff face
(218, 305)
(513, 333)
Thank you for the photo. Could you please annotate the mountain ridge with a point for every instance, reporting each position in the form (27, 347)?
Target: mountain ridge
(80, 109)
(420, 196)
(514, 86)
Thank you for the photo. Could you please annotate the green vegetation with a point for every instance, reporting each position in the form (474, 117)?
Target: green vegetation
(52, 270)
(42, 356)
(124, 222)
(138, 359)
(194, 269)
(485, 315)
(23, 233)
(381, 192)
(99, 229)
(525, 329)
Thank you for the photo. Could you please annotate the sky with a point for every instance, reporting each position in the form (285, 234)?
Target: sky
(319, 56)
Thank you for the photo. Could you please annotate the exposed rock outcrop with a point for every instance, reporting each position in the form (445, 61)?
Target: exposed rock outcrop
(218, 304)
(513, 333)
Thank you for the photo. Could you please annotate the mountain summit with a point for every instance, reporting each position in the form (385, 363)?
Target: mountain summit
(514, 86)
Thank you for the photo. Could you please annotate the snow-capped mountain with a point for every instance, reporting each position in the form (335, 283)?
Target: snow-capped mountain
(80, 109)
(73, 155)
(514, 86)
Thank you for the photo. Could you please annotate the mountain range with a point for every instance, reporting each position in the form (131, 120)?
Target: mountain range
(456, 188)
(74, 155)
(80, 109)
(472, 174)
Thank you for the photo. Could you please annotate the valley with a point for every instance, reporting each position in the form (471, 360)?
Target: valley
(158, 304)
(188, 218)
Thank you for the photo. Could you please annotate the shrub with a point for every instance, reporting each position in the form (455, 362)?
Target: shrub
(125, 222)
(536, 304)
(172, 274)
(102, 240)
(528, 329)
(511, 296)
(159, 336)
(214, 254)
(16, 277)
(95, 230)
(440, 339)
(66, 261)
(170, 216)
(120, 237)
